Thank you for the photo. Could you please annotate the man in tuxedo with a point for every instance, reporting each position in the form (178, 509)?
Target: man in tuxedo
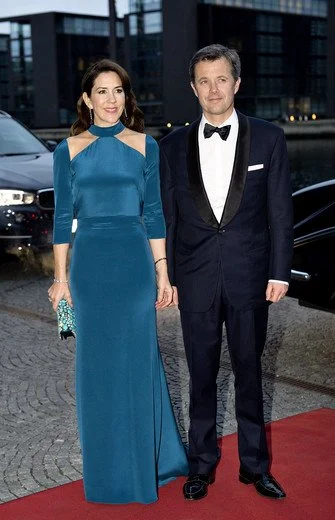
(226, 194)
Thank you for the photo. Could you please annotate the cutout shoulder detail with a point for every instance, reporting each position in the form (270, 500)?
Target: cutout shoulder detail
(133, 140)
(76, 145)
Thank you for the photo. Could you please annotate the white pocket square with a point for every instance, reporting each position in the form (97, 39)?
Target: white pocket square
(255, 167)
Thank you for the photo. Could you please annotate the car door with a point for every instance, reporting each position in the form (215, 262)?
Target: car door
(313, 266)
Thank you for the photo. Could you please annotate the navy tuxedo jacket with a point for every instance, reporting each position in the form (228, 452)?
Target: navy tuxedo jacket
(253, 242)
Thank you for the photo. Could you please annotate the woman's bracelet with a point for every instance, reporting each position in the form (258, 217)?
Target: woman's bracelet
(160, 259)
(56, 280)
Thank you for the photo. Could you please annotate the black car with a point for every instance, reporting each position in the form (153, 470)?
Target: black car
(313, 273)
(26, 192)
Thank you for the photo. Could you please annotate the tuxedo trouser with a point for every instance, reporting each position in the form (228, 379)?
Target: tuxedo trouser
(246, 335)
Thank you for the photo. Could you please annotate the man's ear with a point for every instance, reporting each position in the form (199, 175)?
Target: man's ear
(87, 101)
(194, 89)
(237, 85)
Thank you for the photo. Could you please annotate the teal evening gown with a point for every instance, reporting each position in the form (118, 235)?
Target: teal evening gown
(128, 434)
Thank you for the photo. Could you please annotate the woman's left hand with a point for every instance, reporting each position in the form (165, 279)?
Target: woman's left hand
(164, 292)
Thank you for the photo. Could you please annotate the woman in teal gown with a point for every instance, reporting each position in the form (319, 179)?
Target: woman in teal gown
(107, 177)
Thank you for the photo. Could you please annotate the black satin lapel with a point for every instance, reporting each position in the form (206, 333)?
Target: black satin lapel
(197, 188)
(240, 170)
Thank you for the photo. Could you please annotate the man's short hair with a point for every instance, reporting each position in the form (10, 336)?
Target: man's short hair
(216, 52)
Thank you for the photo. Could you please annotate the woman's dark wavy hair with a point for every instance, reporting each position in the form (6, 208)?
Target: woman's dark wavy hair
(134, 120)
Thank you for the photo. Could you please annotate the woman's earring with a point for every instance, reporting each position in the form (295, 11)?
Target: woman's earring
(125, 113)
(91, 116)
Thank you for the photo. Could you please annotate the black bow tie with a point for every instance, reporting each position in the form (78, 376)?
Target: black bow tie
(223, 131)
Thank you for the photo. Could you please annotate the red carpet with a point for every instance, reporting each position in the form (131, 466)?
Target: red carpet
(303, 461)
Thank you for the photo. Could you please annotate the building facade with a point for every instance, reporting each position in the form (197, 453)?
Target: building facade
(49, 53)
(287, 50)
(283, 54)
(283, 44)
(144, 56)
(4, 71)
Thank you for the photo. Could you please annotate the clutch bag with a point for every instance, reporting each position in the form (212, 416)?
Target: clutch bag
(66, 320)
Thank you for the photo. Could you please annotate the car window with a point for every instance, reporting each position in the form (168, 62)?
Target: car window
(310, 201)
(16, 140)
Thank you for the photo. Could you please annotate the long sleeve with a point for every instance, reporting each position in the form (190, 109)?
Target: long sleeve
(280, 212)
(170, 212)
(63, 195)
(152, 206)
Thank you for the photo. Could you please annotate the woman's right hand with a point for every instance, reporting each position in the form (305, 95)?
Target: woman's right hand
(57, 292)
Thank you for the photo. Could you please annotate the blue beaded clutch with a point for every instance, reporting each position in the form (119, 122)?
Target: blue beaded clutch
(66, 320)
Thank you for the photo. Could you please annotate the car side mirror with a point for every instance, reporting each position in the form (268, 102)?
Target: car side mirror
(51, 144)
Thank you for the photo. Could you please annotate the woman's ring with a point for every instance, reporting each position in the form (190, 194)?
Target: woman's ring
(50, 300)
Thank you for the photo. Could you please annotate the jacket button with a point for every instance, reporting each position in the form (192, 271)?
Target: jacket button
(222, 231)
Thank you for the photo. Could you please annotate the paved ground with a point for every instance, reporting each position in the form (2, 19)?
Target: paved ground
(38, 436)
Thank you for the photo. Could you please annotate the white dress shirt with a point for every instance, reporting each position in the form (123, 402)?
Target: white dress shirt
(216, 162)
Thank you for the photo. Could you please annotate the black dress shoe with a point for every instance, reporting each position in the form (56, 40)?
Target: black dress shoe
(265, 484)
(196, 486)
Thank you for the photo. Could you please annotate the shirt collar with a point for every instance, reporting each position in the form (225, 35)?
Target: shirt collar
(232, 120)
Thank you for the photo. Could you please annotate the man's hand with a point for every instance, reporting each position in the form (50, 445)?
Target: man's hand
(174, 296)
(275, 291)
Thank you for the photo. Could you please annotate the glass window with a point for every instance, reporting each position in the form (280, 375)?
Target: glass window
(15, 48)
(133, 24)
(4, 44)
(144, 5)
(26, 30)
(15, 139)
(16, 66)
(153, 22)
(317, 85)
(4, 59)
(307, 7)
(20, 29)
(120, 29)
(268, 108)
(3, 74)
(318, 66)
(28, 62)
(14, 30)
(66, 116)
(269, 23)
(102, 26)
(86, 26)
(269, 44)
(27, 47)
(318, 106)
(318, 28)
(270, 65)
(269, 86)
(67, 25)
(318, 47)
(78, 26)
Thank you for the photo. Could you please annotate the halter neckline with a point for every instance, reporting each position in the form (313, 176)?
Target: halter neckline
(106, 131)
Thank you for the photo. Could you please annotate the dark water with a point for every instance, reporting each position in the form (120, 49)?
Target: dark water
(311, 161)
